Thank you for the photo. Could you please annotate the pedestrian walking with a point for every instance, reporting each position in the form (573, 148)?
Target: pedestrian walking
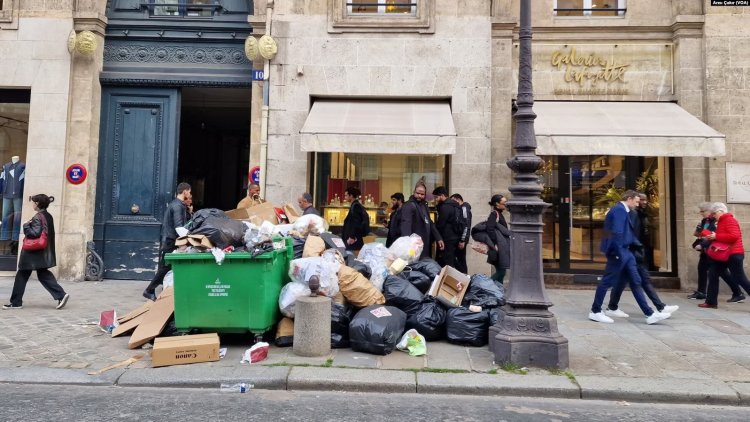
(642, 263)
(174, 216)
(450, 226)
(729, 233)
(708, 223)
(305, 204)
(618, 244)
(498, 251)
(394, 221)
(357, 221)
(461, 252)
(41, 226)
(415, 219)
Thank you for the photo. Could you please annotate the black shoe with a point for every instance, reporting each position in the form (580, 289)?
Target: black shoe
(61, 303)
(697, 295)
(149, 295)
(736, 299)
(12, 306)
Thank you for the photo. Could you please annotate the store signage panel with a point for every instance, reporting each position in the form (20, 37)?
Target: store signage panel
(640, 72)
(738, 183)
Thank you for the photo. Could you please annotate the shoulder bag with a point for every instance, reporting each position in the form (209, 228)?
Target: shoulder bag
(719, 251)
(38, 243)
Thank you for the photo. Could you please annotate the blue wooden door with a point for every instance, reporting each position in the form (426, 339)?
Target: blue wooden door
(136, 177)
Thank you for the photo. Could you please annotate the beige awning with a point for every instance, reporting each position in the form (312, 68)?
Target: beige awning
(379, 127)
(623, 128)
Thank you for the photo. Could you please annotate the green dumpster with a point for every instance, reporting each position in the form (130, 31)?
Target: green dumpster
(238, 296)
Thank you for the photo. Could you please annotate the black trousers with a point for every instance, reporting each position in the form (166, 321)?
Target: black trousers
(704, 264)
(47, 279)
(461, 259)
(162, 269)
(448, 255)
(734, 265)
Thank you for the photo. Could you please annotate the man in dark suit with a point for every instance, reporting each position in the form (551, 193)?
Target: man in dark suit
(619, 241)
(415, 218)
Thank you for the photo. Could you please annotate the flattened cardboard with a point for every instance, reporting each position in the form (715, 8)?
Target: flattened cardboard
(291, 213)
(128, 326)
(135, 312)
(154, 320)
(185, 349)
(445, 286)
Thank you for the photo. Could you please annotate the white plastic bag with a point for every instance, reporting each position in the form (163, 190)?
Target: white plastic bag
(376, 256)
(168, 279)
(408, 248)
(300, 270)
(413, 343)
(288, 297)
(311, 224)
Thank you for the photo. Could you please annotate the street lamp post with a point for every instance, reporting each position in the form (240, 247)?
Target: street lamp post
(526, 331)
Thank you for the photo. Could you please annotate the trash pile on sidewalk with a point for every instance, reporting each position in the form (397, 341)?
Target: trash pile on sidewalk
(382, 299)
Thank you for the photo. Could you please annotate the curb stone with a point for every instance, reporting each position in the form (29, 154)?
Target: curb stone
(355, 380)
(58, 376)
(261, 377)
(501, 385)
(655, 390)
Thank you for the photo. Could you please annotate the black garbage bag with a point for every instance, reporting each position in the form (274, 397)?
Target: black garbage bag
(427, 266)
(400, 293)
(376, 329)
(339, 326)
(467, 328)
(485, 292)
(494, 315)
(420, 280)
(222, 232)
(361, 267)
(200, 216)
(428, 319)
(298, 245)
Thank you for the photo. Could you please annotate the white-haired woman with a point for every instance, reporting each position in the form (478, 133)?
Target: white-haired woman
(727, 231)
(708, 224)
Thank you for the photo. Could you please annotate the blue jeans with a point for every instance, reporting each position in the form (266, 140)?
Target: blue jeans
(11, 219)
(648, 288)
(616, 270)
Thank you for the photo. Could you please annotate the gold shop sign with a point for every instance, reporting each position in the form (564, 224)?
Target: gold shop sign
(588, 67)
(602, 72)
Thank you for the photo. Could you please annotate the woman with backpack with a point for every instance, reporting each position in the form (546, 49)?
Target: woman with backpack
(42, 258)
(498, 253)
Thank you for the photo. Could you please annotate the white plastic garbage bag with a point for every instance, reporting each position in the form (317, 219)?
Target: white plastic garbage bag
(311, 224)
(408, 248)
(288, 297)
(168, 279)
(376, 256)
(300, 270)
(413, 343)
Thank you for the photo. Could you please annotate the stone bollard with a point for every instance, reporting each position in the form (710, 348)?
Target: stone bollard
(312, 326)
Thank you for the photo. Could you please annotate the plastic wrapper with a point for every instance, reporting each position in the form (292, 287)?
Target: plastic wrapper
(300, 270)
(288, 297)
(467, 328)
(257, 353)
(428, 319)
(219, 255)
(358, 290)
(421, 281)
(339, 326)
(428, 267)
(201, 215)
(375, 255)
(222, 232)
(408, 248)
(310, 224)
(401, 294)
(376, 329)
(485, 292)
(413, 343)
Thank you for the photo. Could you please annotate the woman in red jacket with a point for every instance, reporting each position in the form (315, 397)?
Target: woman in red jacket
(727, 231)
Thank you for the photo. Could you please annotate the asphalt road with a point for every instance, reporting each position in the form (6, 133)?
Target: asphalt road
(74, 403)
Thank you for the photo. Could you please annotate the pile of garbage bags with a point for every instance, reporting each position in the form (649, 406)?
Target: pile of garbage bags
(381, 298)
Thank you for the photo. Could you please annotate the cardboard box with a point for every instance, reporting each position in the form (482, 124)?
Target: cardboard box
(446, 289)
(185, 349)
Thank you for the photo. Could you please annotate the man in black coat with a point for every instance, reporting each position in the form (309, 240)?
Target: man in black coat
(174, 216)
(394, 222)
(415, 218)
(448, 225)
(357, 221)
(464, 241)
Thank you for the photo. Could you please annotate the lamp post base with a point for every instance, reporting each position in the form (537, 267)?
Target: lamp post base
(528, 337)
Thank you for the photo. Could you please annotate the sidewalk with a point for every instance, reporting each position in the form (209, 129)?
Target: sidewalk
(698, 356)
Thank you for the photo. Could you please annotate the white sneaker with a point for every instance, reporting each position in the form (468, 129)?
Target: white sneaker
(600, 317)
(656, 317)
(616, 313)
(669, 309)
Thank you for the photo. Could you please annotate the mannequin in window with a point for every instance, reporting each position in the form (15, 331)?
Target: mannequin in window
(12, 178)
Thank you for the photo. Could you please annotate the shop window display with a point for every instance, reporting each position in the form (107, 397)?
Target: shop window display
(377, 177)
(14, 118)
